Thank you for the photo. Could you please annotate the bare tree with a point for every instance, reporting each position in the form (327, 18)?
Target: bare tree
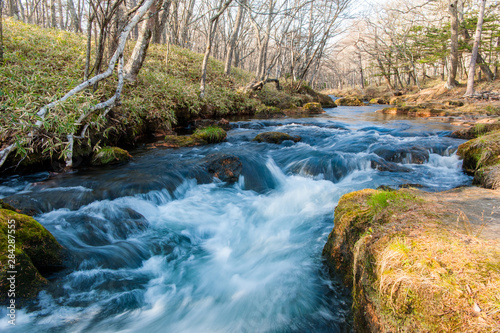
(452, 68)
(477, 40)
(209, 39)
(234, 37)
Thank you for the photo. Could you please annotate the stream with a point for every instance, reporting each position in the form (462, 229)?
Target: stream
(157, 245)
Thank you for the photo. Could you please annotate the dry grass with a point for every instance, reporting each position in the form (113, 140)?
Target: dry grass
(416, 268)
(441, 281)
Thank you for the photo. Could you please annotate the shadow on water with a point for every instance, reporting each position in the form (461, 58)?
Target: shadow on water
(158, 245)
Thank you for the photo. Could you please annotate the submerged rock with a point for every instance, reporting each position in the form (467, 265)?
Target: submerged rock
(110, 155)
(225, 167)
(275, 137)
(28, 249)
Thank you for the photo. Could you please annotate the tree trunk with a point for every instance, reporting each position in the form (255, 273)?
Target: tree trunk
(184, 40)
(234, 38)
(136, 60)
(452, 69)
(160, 23)
(480, 61)
(211, 32)
(74, 16)
(61, 16)
(53, 22)
(475, 48)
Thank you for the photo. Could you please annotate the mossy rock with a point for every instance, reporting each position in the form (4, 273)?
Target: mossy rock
(275, 137)
(36, 252)
(349, 101)
(326, 101)
(110, 155)
(379, 101)
(480, 152)
(313, 108)
(481, 158)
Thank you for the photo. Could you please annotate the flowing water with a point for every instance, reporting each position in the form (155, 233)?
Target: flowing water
(157, 245)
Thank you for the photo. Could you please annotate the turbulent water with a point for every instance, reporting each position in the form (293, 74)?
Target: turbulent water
(158, 246)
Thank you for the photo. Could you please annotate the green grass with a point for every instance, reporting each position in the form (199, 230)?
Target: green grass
(212, 134)
(395, 199)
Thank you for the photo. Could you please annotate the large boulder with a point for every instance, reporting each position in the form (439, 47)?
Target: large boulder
(225, 167)
(28, 249)
(275, 137)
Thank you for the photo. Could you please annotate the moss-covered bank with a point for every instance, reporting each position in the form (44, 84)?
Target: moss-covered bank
(412, 265)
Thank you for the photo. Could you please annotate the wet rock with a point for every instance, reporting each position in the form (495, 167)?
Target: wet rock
(225, 167)
(110, 155)
(349, 101)
(275, 137)
(382, 165)
(413, 155)
(36, 252)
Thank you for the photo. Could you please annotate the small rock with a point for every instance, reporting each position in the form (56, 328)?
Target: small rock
(275, 137)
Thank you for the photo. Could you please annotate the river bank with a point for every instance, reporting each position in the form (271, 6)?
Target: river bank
(41, 65)
(418, 261)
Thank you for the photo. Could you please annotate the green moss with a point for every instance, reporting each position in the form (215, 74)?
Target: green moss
(211, 134)
(110, 155)
(36, 250)
(178, 141)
